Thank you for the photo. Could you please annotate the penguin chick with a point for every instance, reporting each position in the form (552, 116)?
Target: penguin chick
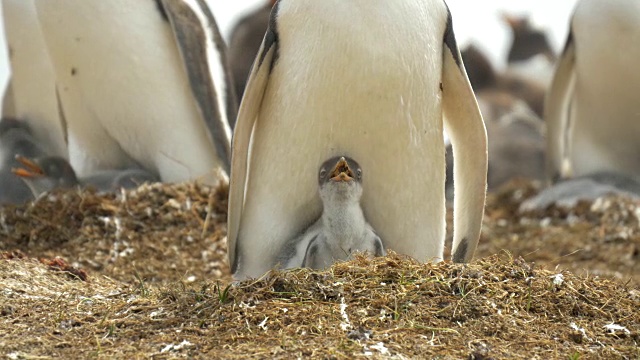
(342, 229)
(16, 138)
(47, 173)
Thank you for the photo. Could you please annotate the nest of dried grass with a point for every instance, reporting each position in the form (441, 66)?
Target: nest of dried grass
(144, 274)
(498, 307)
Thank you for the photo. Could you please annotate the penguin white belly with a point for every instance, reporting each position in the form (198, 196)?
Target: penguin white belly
(125, 89)
(606, 110)
(32, 75)
(366, 94)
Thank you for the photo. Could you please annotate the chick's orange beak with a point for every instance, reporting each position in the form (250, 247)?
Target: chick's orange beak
(30, 170)
(342, 172)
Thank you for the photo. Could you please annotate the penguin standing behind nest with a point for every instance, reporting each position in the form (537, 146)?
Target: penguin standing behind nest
(371, 79)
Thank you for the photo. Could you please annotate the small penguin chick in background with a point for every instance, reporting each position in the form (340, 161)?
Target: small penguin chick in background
(16, 138)
(342, 229)
(47, 173)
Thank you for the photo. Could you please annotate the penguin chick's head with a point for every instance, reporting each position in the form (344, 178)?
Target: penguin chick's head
(340, 180)
(10, 124)
(45, 174)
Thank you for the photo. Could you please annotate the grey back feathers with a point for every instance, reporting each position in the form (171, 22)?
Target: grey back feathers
(322, 252)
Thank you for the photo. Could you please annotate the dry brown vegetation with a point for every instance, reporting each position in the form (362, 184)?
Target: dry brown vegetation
(557, 284)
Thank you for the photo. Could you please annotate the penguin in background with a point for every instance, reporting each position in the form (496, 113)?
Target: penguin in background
(516, 142)
(592, 109)
(484, 78)
(530, 54)
(245, 41)
(31, 92)
(527, 42)
(144, 84)
(375, 81)
(511, 107)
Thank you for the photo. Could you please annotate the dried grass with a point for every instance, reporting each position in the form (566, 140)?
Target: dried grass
(156, 287)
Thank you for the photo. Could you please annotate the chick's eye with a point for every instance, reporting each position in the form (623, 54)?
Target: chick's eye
(323, 172)
(359, 174)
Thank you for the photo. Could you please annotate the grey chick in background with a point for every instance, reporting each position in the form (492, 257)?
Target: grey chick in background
(16, 138)
(47, 173)
(342, 229)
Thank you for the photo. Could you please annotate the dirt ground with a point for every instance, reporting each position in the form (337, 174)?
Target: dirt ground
(144, 274)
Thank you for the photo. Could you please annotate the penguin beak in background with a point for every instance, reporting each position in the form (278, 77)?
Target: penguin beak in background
(342, 172)
(30, 170)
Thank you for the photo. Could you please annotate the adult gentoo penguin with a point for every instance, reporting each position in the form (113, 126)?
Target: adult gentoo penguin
(342, 230)
(371, 79)
(592, 109)
(143, 83)
(31, 92)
